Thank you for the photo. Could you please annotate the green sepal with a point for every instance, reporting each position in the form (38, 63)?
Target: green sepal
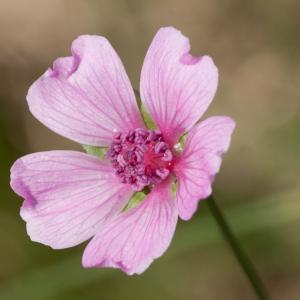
(96, 151)
(137, 198)
(174, 187)
(145, 114)
(147, 118)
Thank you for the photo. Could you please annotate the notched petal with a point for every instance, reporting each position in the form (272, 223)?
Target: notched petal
(189, 59)
(64, 67)
(86, 97)
(200, 161)
(176, 86)
(137, 236)
(68, 196)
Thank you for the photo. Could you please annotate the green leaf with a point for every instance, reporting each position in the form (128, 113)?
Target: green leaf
(96, 151)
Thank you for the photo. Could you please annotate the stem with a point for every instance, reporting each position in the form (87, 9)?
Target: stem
(239, 253)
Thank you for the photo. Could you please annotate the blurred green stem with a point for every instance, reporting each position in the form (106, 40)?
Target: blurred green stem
(239, 253)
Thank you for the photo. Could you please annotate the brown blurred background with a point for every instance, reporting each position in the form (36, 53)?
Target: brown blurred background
(256, 45)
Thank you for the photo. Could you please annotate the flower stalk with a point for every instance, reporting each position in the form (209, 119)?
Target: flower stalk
(241, 256)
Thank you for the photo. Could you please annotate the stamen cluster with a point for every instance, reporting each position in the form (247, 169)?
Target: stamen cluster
(140, 157)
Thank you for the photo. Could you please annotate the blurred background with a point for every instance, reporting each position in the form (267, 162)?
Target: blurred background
(256, 46)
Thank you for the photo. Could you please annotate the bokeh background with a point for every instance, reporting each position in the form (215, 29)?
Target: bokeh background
(256, 46)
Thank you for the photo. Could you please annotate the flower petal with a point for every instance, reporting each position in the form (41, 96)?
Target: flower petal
(176, 87)
(200, 161)
(68, 196)
(86, 97)
(136, 237)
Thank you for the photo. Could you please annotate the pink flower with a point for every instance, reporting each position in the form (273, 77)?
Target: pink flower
(70, 197)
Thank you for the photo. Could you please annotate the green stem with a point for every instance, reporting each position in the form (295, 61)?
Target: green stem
(239, 253)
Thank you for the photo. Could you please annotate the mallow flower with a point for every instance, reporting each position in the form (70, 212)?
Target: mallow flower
(71, 197)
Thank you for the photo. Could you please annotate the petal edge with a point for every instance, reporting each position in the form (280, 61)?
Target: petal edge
(200, 161)
(136, 237)
(68, 196)
(176, 87)
(86, 97)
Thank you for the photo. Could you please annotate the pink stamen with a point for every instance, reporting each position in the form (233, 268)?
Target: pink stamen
(140, 157)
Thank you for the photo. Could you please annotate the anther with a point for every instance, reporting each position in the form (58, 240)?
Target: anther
(140, 157)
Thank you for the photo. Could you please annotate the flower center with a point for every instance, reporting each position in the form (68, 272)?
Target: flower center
(140, 157)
